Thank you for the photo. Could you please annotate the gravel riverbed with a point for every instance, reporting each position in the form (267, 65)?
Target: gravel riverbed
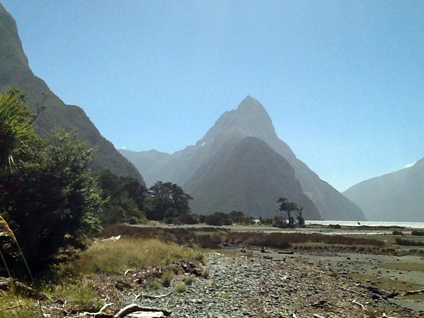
(261, 286)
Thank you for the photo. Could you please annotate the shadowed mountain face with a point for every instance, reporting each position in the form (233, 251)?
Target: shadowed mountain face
(246, 175)
(397, 196)
(250, 119)
(15, 72)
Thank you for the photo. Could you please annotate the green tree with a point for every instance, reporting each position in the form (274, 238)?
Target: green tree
(51, 199)
(169, 202)
(123, 198)
(300, 218)
(288, 208)
(239, 217)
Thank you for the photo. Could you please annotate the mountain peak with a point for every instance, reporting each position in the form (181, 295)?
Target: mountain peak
(249, 119)
(250, 104)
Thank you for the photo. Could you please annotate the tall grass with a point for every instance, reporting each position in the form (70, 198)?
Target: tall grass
(81, 294)
(118, 256)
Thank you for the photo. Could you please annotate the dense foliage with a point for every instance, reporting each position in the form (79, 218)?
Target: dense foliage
(169, 203)
(234, 217)
(15, 128)
(123, 199)
(49, 197)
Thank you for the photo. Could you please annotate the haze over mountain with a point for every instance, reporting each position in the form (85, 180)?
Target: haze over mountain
(218, 171)
(15, 72)
(397, 196)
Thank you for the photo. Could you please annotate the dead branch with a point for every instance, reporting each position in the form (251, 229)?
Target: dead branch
(358, 304)
(317, 316)
(414, 292)
(133, 308)
(151, 296)
(94, 314)
(127, 271)
(156, 314)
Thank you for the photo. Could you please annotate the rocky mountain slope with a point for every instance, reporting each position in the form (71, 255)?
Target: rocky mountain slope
(250, 119)
(15, 72)
(397, 196)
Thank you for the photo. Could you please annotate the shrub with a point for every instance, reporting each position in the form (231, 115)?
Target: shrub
(335, 226)
(206, 273)
(218, 219)
(396, 232)
(188, 218)
(279, 221)
(417, 232)
(154, 284)
(167, 278)
(188, 280)
(400, 241)
(133, 220)
(181, 288)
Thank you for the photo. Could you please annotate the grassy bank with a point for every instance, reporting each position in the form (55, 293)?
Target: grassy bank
(98, 273)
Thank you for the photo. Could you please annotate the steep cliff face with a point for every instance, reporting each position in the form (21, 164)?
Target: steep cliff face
(250, 119)
(397, 196)
(15, 72)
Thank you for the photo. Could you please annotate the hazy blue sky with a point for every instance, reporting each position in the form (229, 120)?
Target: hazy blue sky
(343, 81)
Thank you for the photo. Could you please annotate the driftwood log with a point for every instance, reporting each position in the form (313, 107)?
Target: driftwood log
(96, 314)
(133, 308)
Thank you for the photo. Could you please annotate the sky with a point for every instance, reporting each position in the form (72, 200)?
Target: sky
(343, 81)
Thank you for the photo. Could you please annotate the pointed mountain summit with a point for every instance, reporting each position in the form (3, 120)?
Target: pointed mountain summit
(249, 119)
(397, 196)
(202, 171)
(15, 72)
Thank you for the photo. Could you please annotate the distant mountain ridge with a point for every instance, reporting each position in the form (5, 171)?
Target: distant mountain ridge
(203, 161)
(15, 72)
(397, 196)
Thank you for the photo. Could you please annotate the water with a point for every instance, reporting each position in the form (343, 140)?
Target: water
(412, 225)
